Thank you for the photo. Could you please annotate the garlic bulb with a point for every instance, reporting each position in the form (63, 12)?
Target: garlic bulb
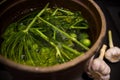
(97, 68)
(113, 53)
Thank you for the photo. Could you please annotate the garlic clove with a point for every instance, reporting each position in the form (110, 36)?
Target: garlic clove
(100, 66)
(106, 77)
(106, 70)
(113, 54)
(96, 64)
(88, 66)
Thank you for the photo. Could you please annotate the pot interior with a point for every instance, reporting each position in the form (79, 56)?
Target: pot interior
(17, 9)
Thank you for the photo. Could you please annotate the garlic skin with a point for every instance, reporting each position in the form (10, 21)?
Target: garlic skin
(113, 54)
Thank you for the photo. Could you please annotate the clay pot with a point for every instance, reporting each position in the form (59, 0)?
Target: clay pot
(12, 10)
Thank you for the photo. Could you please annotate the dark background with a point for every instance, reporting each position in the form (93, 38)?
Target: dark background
(111, 9)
